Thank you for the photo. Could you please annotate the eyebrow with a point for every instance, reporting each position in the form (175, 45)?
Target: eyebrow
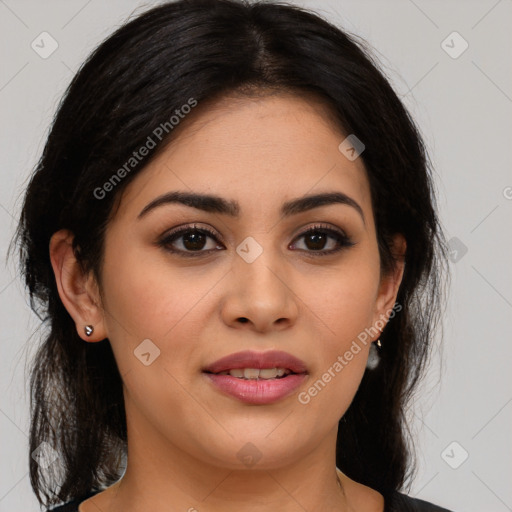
(215, 204)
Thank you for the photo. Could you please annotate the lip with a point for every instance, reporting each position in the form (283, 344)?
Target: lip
(259, 360)
(257, 391)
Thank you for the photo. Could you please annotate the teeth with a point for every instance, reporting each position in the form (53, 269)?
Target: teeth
(238, 372)
(255, 373)
(251, 373)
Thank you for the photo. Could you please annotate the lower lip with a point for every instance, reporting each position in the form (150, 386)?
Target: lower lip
(257, 391)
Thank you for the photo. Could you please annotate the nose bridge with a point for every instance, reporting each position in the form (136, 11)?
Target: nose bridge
(256, 266)
(261, 293)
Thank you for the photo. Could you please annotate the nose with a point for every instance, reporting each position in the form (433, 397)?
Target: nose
(260, 295)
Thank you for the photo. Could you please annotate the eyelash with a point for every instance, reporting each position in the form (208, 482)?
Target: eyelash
(343, 240)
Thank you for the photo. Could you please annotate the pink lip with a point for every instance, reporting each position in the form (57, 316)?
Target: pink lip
(257, 391)
(260, 360)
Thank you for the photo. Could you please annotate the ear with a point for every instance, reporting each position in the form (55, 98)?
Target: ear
(390, 283)
(78, 291)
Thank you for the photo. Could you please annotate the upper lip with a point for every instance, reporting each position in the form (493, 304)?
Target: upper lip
(259, 360)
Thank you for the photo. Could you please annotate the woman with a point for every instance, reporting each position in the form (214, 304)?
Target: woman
(232, 230)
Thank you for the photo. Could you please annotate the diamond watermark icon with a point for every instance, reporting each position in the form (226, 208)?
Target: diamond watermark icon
(147, 352)
(249, 454)
(454, 45)
(456, 249)
(45, 455)
(454, 455)
(44, 45)
(351, 147)
(249, 249)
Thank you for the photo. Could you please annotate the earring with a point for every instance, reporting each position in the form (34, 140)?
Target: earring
(88, 329)
(374, 356)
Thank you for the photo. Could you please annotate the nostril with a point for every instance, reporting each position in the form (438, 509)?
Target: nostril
(243, 319)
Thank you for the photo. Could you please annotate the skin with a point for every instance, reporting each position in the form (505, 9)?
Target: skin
(183, 434)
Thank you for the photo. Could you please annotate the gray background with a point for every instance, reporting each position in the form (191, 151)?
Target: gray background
(463, 106)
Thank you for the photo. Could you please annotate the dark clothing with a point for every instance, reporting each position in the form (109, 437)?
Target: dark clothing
(399, 502)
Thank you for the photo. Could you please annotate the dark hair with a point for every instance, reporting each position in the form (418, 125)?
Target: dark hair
(131, 84)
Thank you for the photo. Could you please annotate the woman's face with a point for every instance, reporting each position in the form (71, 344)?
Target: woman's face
(174, 305)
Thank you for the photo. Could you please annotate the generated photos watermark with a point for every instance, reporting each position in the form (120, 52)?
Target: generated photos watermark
(363, 338)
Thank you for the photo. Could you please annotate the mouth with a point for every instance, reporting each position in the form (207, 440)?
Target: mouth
(257, 377)
(253, 365)
(257, 373)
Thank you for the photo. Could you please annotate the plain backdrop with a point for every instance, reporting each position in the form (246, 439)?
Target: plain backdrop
(450, 62)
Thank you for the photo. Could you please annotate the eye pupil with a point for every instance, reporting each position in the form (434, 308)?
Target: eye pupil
(318, 240)
(194, 240)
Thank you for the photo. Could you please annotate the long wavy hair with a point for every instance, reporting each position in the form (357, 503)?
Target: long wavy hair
(132, 83)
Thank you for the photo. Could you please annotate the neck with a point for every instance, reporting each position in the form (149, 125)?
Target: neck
(171, 477)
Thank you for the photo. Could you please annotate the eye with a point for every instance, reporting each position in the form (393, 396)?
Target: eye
(193, 240)
(316, 238)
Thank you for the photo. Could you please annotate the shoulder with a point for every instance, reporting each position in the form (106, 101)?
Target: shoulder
(72, 506)
(399, 502)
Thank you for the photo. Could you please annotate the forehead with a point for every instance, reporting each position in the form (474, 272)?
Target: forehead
(257, 151)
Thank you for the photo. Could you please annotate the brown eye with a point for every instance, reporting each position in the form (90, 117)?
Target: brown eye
(317, 238)
(193, 240)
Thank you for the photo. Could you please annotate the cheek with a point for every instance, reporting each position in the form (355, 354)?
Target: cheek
(341, 354)
(342, 307)
(342, 300)
(157, 301)
(148, 297)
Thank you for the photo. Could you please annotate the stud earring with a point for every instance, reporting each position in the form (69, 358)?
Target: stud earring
(88, 329)
(374, 356)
